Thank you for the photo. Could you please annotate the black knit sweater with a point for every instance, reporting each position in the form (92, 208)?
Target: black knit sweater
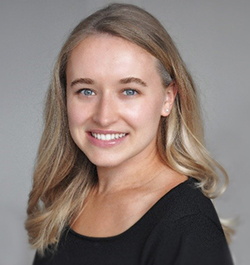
(182, 228)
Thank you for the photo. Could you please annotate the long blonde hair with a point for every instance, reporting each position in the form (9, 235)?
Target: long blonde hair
(63, 175)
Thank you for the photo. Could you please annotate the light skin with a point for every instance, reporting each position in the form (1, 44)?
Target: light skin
(115, 99)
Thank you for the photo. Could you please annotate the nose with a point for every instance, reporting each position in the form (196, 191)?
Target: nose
(106, 111)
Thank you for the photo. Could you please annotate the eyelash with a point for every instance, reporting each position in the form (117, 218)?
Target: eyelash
(135, 92)
(81, 91)
(87, 92)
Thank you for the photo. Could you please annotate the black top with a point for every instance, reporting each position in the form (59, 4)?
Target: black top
(182, 228)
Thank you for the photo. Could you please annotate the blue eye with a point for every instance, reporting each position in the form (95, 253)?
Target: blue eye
(86, 92)
(130, 92)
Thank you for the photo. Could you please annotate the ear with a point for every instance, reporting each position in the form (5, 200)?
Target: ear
(170, 94)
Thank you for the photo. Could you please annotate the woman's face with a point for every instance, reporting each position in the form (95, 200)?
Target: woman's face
(115, 99)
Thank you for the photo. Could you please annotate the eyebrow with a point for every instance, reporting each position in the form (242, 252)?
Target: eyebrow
(86, 81)
(127, 80)
(133, 80)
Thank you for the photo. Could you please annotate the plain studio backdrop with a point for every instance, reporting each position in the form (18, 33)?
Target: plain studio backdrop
(214, 40)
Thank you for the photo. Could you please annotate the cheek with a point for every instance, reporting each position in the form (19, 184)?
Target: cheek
(75, 115)
(144, 114)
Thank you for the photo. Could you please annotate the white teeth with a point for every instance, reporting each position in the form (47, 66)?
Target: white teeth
(108, 137)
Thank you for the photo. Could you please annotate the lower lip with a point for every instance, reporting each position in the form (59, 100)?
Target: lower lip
(105, 144)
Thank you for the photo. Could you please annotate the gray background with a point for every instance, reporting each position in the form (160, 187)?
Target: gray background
(214, 40)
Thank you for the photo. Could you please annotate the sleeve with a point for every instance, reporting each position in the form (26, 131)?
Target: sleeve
(38, 260)
(192, 240)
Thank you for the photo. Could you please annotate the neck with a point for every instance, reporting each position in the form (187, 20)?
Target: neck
(130, 175)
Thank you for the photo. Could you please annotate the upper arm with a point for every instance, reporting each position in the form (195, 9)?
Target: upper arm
(202, 242)
(193, 240)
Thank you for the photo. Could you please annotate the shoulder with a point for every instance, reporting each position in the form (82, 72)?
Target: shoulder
(187, 200)
(185, 211)
(189, 230)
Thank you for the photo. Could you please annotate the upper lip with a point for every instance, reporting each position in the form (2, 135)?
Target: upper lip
(105, 132)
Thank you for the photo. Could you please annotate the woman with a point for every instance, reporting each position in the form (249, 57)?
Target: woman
(122, 174)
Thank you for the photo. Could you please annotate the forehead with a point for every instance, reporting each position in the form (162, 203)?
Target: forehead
(107, 42)
(109, 52)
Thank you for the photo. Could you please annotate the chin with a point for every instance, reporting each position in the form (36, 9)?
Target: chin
(105, 163)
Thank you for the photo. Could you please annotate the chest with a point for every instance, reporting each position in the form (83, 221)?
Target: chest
(107, 217)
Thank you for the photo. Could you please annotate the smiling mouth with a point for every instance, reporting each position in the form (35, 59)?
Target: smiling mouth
(108, 136)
